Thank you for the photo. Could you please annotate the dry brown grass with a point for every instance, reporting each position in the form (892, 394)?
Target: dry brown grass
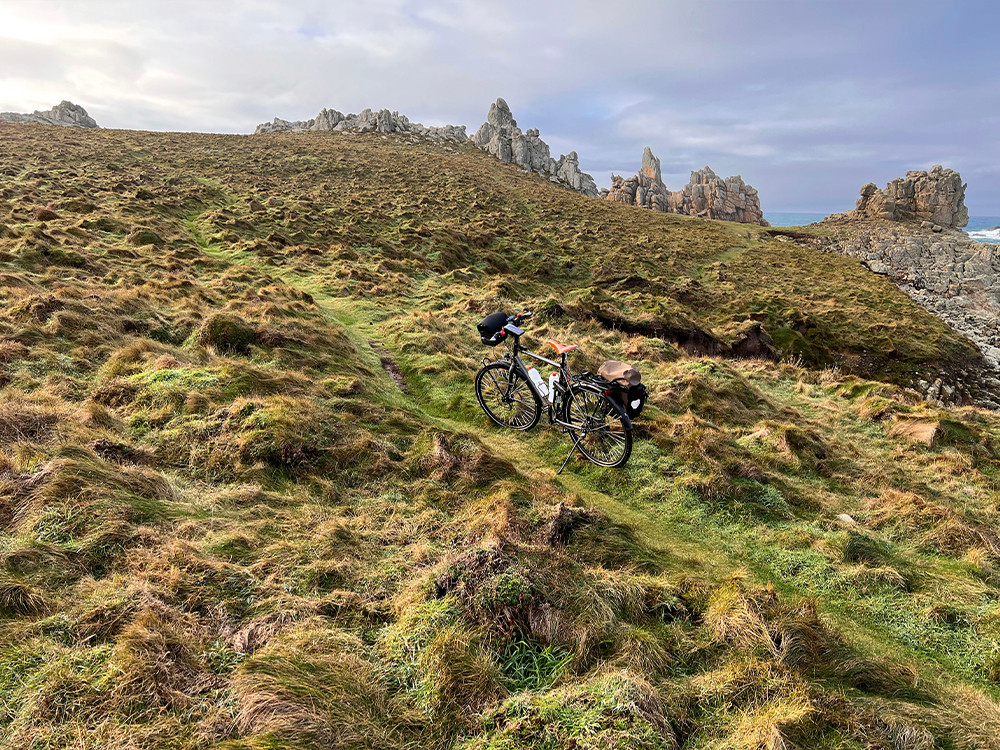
(273, 543)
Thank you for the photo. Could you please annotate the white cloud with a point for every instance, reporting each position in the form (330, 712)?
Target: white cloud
(457, 55)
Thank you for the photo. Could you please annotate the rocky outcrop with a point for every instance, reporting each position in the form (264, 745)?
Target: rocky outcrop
(937, 196)
(645, 189)
(366, 121)
(908, 233)
(501, 137)
(706, 194)
(65, 113)
(945, 271)
(568, 172)
(712, 197)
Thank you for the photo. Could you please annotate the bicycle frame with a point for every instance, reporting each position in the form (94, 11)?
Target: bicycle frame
(564, 384)
(571, 403)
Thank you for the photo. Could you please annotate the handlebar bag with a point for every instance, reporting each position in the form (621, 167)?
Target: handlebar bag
(490, 327)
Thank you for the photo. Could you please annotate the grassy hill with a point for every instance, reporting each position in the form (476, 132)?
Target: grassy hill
(248, 500)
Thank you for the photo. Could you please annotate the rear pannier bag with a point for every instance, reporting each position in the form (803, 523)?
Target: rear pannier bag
(491, 326)
(630, 393)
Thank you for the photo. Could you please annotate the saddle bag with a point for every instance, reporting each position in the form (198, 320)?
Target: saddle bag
(626, 381)
(491, 326)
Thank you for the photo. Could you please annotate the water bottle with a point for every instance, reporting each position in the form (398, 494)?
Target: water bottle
(537, 380)
(553, 379)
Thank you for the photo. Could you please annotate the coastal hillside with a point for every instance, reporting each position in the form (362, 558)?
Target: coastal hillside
(910, 233)
(249, 500)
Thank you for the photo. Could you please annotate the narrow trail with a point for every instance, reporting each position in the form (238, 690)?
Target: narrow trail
(523, 451)
(713, 554)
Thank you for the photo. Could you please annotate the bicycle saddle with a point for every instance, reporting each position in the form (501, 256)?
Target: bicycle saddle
(561, 348)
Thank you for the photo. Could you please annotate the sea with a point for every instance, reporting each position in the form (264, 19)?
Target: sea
(980, 228)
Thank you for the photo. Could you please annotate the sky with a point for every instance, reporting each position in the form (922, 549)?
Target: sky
(806, 99)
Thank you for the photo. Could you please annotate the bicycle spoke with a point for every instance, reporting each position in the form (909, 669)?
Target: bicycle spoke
(493, 379)
(501, 388)
(522, 413)
(507, 398)
(596, 411)
(592, 418)
(597, 428)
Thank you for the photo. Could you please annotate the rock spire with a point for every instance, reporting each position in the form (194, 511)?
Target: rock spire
(706, 194)
(65, 113)
(501, 137)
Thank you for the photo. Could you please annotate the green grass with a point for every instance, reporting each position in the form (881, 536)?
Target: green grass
(529, 665)
(248, 500)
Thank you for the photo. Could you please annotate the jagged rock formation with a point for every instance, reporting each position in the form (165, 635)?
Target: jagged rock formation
(568, 171)
(646, 189)
(366, 121)
(65, 113)
(706, 194)
(937, 196)
(501, 137)
(729, 199)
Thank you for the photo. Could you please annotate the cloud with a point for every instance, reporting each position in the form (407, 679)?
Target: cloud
(806, 100)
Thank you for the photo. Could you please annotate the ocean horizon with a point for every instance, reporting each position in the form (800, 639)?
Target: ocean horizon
(980, 228)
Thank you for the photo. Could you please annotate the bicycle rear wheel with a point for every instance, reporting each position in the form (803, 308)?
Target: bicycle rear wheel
(506, 398)
(599, 428)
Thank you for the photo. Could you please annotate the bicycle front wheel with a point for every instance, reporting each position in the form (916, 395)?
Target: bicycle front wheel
(599, 427)
(506, 397)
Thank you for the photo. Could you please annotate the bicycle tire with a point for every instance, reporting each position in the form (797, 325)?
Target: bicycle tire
(601, 431)
(506, 397)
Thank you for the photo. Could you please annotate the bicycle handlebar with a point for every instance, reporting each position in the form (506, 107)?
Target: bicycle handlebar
(520, 316)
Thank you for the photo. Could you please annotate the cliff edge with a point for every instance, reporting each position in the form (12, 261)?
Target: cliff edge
(909, 233)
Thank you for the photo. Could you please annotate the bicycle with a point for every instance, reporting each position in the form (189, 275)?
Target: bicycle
(579, 404)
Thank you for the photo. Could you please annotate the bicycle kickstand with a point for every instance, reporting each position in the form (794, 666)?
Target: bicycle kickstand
(576, 443)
